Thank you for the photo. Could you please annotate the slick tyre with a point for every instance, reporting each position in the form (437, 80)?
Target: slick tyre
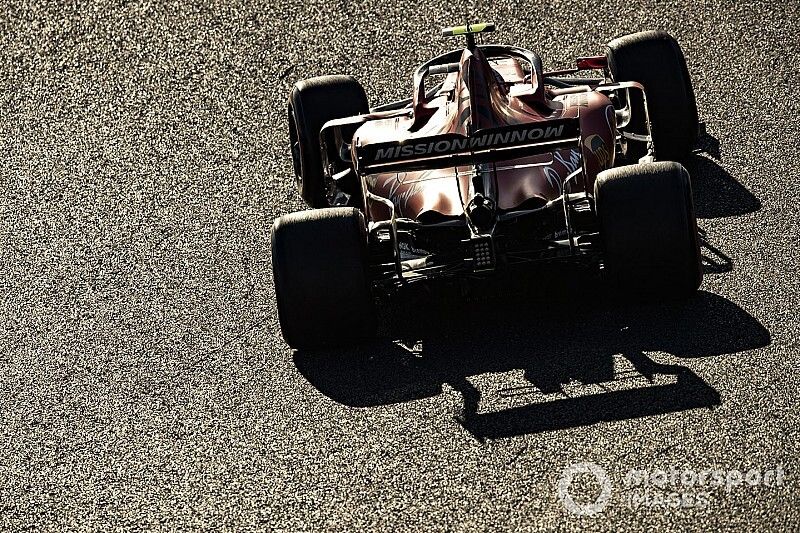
(319, 265)
(312, 103)
(649, 231)
(655, 60)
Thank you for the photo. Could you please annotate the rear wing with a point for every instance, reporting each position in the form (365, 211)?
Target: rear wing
(453, 149)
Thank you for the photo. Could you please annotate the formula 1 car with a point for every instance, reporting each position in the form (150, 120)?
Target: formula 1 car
(492, 165)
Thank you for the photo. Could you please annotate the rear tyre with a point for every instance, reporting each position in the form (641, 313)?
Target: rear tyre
(649, 230)
(319, 265)
(655, 60)
(314, 102)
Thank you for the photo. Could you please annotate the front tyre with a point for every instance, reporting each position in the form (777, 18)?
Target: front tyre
(319, 265)
(649, 230)
(654, 59)
(314, 102)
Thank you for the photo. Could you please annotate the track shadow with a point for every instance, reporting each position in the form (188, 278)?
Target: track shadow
(688, 391)
(716, 193)
(573, 343)
(715, 261)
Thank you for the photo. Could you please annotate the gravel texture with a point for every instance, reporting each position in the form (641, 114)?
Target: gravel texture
(143, 380)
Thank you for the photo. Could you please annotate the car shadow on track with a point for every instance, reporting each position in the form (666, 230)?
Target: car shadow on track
(581, 358)
(715, 261)
(717, 194)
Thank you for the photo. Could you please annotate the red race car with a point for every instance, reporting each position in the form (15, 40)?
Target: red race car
(492, 165)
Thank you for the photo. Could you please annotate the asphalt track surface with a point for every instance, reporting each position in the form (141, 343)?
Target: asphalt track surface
(143, 380)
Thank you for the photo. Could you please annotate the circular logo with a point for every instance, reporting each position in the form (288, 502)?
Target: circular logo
(569, 503)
